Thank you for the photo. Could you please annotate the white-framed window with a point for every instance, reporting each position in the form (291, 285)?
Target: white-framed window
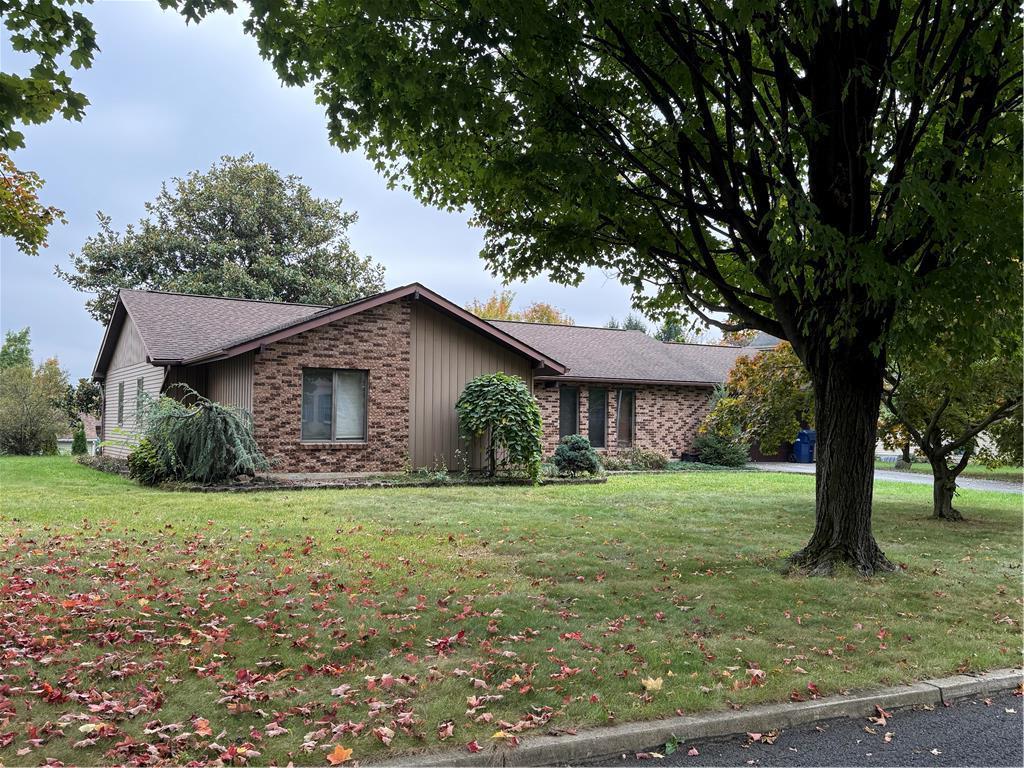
(334, 405)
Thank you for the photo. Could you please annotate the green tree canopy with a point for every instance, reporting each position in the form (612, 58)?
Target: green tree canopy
(54, 35)
(30, 419)
(804, 167)
(631, 322)
(16, 351)
(239, 229)
(955, 382)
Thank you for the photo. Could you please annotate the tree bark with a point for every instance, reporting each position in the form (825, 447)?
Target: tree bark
(847, 389)
(944, 484)
(907, 458)
(943, 488)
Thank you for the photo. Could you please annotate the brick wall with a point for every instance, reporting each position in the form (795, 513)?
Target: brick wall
(667, 417)
(376, 340)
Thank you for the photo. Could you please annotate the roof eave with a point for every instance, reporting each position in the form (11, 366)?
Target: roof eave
(613, 380)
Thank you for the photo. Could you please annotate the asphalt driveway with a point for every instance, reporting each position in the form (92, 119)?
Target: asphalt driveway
(974, 483)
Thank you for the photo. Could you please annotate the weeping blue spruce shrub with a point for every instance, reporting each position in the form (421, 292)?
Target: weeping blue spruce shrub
(198, 440)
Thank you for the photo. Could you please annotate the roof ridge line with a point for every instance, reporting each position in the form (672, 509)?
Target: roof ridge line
(561, 325)
(228, 298)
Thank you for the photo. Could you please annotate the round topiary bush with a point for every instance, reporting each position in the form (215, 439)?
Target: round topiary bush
(715, 449)
(644, 458)
(500, 410)
(575, 456)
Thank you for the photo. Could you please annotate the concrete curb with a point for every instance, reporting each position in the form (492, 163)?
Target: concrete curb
(599, 743)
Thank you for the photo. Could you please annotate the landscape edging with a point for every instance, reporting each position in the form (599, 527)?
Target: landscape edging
(604, 742)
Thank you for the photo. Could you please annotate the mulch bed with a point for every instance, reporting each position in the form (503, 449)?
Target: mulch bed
(273, 484)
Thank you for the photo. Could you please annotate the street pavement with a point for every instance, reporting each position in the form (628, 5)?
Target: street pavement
(916, 478)
(970, 732)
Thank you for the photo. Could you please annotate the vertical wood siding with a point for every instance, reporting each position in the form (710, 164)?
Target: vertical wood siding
(445, 357)
(127, 365)
(230, 381)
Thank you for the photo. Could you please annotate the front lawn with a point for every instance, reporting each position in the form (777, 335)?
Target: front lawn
(141, 625)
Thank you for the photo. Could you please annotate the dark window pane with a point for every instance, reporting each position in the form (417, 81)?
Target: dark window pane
(625, 419)
(597, 414)
(120, 403)
(568, 411)
(317, 404)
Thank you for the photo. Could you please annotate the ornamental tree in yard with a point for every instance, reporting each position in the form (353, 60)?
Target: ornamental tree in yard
(768, 398)
(945, 418)
(958, 396)
(805, 167)
(239, 229)
(500, 410)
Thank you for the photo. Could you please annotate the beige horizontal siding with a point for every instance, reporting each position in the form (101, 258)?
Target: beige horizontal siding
(127, 365)
(446, 356)
(118, 439)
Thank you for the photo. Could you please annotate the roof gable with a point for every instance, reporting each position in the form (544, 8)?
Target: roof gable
(188, 329)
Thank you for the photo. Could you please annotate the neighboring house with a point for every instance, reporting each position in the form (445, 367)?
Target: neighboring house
(92, 437)
(372, 385)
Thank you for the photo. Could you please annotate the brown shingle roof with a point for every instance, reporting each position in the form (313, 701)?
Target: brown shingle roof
(181, 328)
(176, 326)
(609, 354)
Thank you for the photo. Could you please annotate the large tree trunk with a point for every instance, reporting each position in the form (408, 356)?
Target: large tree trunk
(847, 390)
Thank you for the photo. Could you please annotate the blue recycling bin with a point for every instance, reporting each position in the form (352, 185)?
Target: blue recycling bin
(803, 448)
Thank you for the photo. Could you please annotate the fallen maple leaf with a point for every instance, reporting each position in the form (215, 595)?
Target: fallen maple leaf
(651, 683)
(202, 727)
(692, 752)
(339, 755)
(473, 747)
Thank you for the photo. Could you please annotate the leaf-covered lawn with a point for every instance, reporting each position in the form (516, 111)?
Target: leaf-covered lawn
(140, 626)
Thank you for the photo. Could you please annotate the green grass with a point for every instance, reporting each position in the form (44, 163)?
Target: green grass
(568, 597)
(1009, 474)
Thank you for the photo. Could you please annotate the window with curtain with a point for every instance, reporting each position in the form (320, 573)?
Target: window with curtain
(625, 418)
(597, 414)
(568, 411)
(333, 405)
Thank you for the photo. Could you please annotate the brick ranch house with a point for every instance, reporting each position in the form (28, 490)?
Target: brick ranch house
(372, 385)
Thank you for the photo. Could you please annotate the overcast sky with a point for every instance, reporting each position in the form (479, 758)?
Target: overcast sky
(167, 98)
